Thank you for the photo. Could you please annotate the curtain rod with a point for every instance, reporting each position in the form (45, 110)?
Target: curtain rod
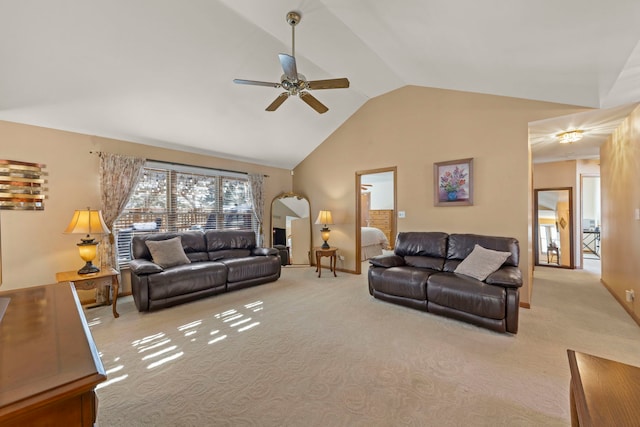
(187, 165)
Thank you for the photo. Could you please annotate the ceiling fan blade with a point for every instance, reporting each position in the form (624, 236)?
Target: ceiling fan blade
(278, 101)
(329, 84)
(288, 63)
(255, 83)
(313, 102)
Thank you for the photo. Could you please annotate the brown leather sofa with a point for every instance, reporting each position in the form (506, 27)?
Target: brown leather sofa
(218, 261)
(420, 274)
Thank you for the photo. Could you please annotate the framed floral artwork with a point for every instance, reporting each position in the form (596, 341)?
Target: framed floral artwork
(453, 182)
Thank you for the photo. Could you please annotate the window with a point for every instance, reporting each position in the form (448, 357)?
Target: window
(548, 236)
(179, 198)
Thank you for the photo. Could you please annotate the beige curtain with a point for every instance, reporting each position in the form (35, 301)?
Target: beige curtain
(118, 178)
(256, 183)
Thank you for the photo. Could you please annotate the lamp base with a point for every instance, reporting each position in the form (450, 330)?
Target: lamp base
(324, 233)
(88, 268)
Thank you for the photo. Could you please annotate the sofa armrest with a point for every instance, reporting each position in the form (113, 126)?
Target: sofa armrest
(264, 251)
(387, 261)
(143, 266)
(508, 277)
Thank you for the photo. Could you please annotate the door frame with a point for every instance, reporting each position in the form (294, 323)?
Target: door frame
(359, 174)
(536, 228)
(580, 230)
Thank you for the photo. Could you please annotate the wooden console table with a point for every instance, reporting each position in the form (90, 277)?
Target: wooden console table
(603, 392)
(88, 281)
(50, 365)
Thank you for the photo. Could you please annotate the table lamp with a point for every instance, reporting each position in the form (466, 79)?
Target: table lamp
(324, 218)
(87, 222)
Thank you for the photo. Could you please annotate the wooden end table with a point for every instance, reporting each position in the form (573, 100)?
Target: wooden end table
(603, 392)
(331, 253)
(88, 281)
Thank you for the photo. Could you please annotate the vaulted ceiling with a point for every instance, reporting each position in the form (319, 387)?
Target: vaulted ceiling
(161, 72)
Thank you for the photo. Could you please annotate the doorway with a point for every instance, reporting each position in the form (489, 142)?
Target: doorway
(553, 229)
(376, 225)
(590, 221)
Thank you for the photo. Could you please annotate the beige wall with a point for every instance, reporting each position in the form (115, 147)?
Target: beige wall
(620, 198)
(555, 175)
(589, 167)
(412, 128)
(34, 247)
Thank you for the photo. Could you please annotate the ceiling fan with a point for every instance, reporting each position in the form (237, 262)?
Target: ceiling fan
(294, 83)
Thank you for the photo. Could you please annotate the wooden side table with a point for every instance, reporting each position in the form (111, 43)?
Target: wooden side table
(88, 281)
(331, 253)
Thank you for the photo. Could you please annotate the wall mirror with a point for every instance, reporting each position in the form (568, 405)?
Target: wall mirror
(291, 227)
(553, 229)
(376, 212)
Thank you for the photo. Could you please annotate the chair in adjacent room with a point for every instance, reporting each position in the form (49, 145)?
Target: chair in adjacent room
(552, 250)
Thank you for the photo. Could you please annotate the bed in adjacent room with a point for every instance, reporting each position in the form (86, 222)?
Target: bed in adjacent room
(373, 241)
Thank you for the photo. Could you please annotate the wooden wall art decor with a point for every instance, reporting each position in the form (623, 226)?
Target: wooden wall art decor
(21, 185)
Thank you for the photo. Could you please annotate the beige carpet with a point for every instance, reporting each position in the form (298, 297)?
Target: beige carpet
(305, 351)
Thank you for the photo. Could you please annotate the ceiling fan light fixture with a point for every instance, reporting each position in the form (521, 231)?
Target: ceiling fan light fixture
(293, 82)
(569, 136)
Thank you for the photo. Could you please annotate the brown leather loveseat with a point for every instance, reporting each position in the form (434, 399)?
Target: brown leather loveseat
(172, 268)
(426, 272)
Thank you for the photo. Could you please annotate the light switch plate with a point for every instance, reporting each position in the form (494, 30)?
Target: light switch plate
(401, 214)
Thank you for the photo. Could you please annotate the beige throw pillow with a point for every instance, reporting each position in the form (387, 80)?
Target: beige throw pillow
(167, 253)
(481, 262)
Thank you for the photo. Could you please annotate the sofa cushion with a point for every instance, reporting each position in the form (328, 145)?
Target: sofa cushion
(467, 294)
(230, 239)
(143, 266)
(408, 282)
(506, 276)
(228, 254)
(424, 262)
(481, 262)
(461, 245)
(387, 261)
(186, 279)
(241, 269)
(197, 256)
(167, 253)
(421, 243)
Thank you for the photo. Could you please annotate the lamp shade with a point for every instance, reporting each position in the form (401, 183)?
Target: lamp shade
(87, 222)
(324, 217)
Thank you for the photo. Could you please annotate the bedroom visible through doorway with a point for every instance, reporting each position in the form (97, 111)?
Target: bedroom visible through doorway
(376, 226)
